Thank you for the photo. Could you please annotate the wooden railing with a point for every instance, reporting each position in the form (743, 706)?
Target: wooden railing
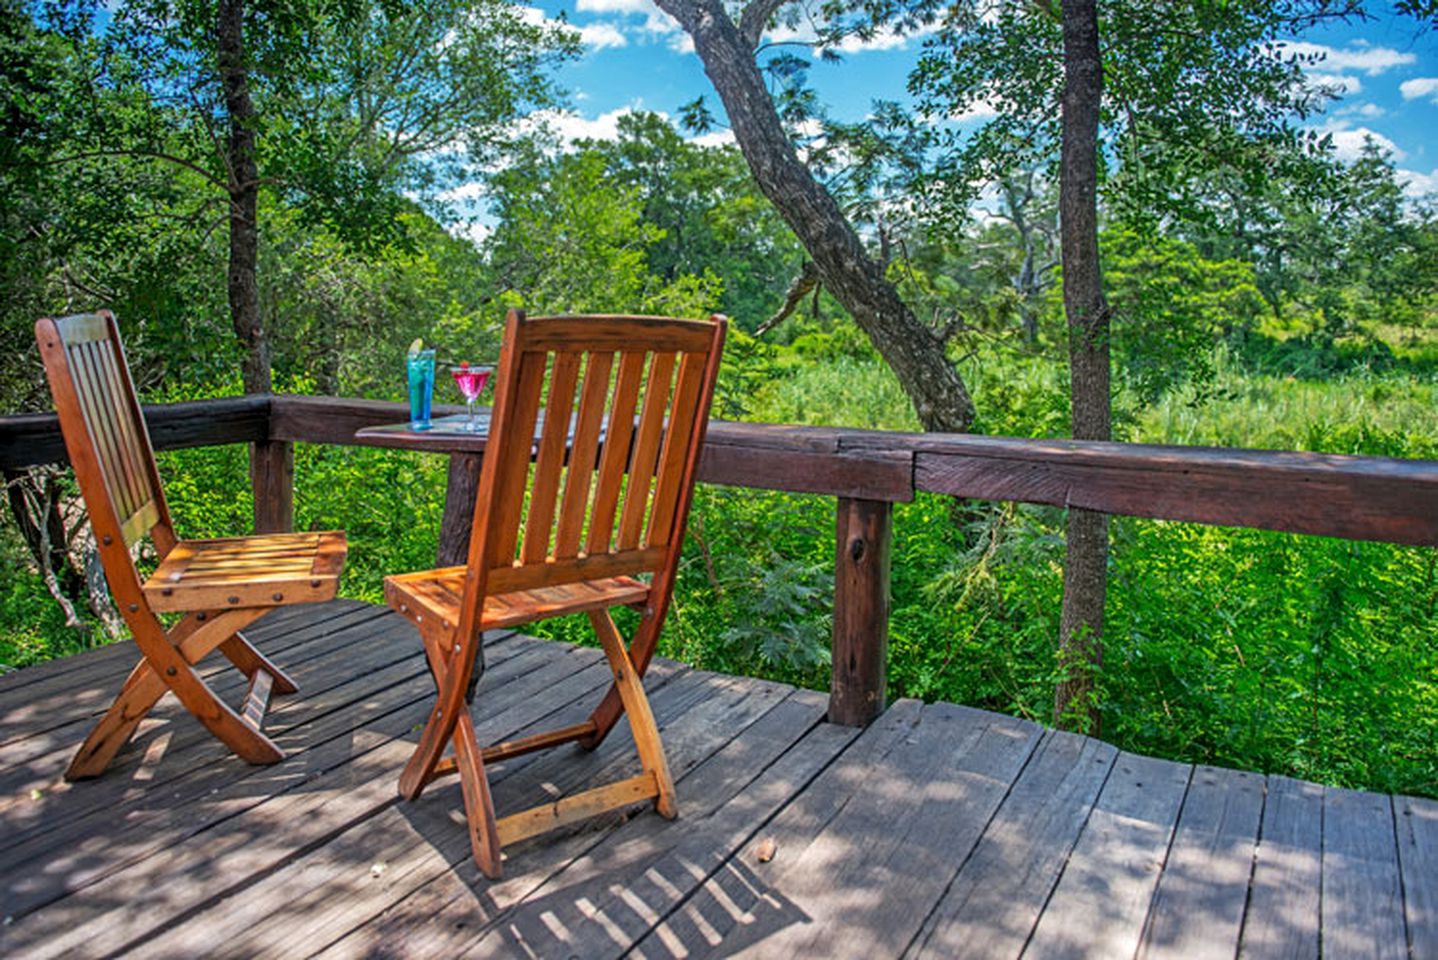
(867, 471)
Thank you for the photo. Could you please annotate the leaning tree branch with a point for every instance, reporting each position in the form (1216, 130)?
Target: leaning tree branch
(806, 282)
(755, 18)
(847, 270)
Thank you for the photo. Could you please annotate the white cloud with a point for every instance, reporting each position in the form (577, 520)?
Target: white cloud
(657, 23)
(570, 126)
(884, 39)
(1417, 185)
(1369, 110)
(475, 231)
(1348, 142)
(660, 23)
(1337, 83)
(1369, 60)
(714, 138)
(786, 34)
(978, 110)
(614, 6)
(1419, 87)
(464, 193)
(602, 35)
(681, 43)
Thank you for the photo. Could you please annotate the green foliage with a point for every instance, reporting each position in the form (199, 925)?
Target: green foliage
(1274, 652)
(1171, 305)
(571, 241)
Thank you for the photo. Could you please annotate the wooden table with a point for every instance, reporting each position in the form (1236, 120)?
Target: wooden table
(447, 435)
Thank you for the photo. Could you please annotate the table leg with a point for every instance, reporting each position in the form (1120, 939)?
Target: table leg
(458, 509)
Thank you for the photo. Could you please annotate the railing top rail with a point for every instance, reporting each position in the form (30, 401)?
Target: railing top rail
(1362, 498)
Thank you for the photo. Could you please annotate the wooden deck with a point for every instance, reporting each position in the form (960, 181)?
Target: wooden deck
(939, 831)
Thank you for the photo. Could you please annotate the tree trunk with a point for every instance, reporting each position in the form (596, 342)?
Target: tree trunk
(244, 192)
(846, 270)
(1080, 652)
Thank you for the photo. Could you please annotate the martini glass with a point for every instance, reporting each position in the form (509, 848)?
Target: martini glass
(471, 381)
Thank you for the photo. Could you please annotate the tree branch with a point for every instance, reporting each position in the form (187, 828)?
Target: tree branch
(151, 154)
(755, 18)
(804, 283)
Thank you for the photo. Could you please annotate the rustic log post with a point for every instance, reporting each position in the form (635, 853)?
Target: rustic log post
(272, 478)
(861, 611)
(458, 509)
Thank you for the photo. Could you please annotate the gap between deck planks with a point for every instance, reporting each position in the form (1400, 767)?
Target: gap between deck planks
(938, 831)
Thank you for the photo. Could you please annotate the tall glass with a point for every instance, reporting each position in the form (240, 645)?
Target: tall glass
(421, 388)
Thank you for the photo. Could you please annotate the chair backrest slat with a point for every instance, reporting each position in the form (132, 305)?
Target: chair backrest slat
(646, 450)
(677, 439)
(583, 456)
(104, 430)
(125, 459)
(550, 462)
(616, 455)
(615, 458)
(515, 447)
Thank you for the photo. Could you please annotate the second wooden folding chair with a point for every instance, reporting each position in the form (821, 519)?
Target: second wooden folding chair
(220, 586)
(625, 404)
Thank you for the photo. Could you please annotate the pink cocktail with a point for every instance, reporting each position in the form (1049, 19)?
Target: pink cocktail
(471, 382)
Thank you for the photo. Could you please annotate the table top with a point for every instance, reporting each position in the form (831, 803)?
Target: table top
(446, 435)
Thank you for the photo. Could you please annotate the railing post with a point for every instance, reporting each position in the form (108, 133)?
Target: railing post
(272, 478)
(861, 611)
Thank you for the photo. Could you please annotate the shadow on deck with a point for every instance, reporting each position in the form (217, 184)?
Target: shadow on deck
(939, 831)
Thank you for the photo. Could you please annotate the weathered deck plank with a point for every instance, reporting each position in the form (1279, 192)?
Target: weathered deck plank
(1362, 893)
(1418, 855)
(993, 904)
(938, 831)
(1283, 903)
(1100, 902)
(1197, 912)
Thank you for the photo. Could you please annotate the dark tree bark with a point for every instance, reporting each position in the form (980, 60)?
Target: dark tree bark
(244, 189)
(1085, 570)
(845, 268)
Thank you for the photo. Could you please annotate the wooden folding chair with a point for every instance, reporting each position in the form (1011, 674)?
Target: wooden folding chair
(604, 503)
(220, 586)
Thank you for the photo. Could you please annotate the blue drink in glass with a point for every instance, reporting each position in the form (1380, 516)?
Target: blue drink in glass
(421, 387)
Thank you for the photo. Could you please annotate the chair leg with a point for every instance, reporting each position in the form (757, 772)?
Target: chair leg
(611, 708)
(478, 804)
(636, 706)
(141, 692)
(438, 731)
(243, 655)
(188, 641)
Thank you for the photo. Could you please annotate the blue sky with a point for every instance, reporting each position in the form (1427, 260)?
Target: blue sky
(636, 58)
